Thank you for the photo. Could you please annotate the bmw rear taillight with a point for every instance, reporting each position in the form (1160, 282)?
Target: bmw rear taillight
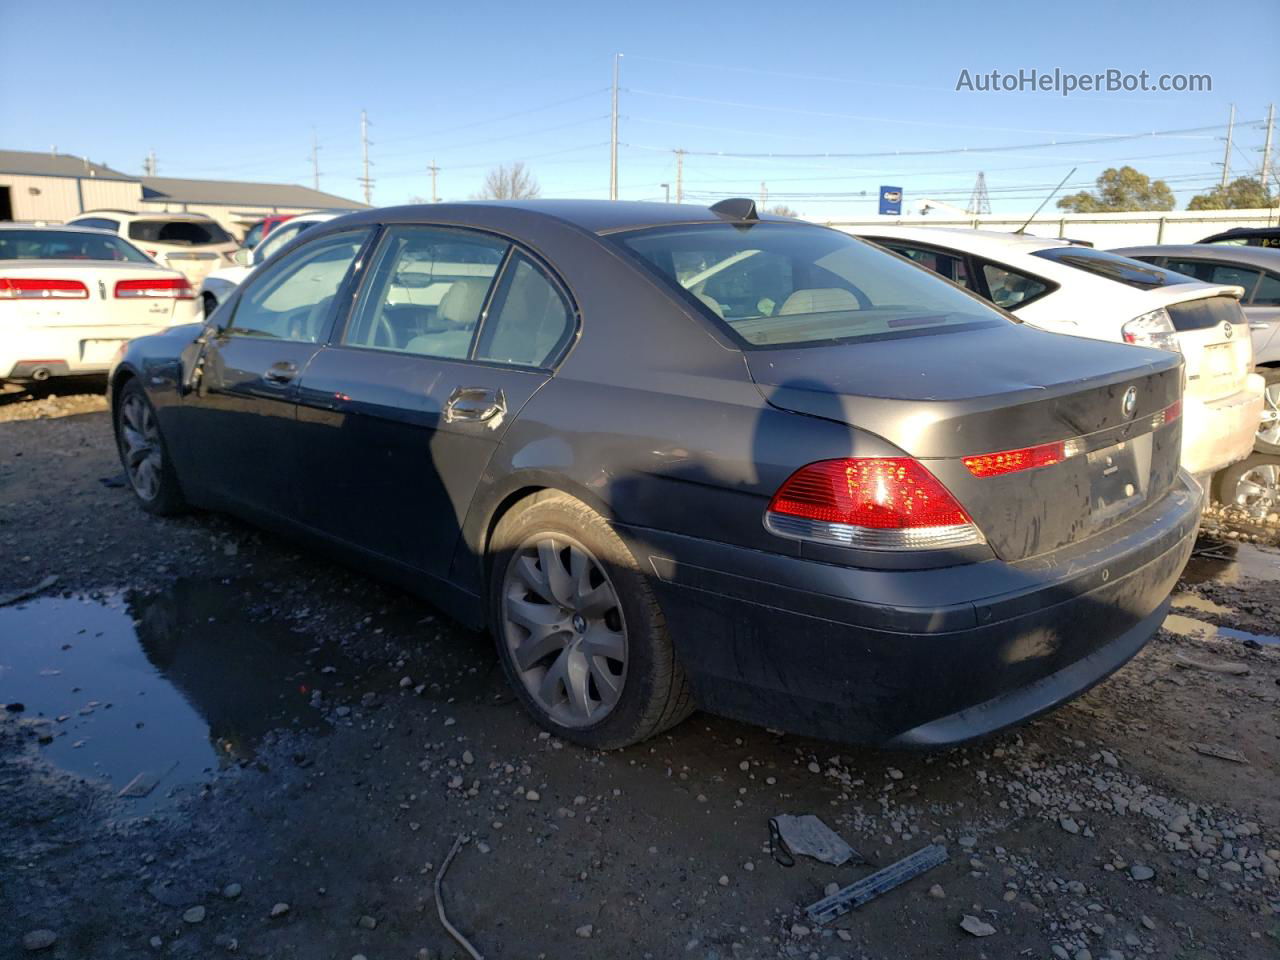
(32, 288)
(882, 503)
(173, 288)
(1024, 458)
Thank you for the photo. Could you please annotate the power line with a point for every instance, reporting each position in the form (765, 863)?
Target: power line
(508, 116)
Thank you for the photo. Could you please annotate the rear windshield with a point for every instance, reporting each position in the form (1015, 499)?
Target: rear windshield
(774, 284)
(1133, 273)
(67, 245)
(178, 231)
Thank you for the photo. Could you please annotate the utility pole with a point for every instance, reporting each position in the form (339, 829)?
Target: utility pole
(1226, 157)
(433, 169)
(666, 188)
(764, 195)
(613, 133)
(1266, 149)
(365, 180)
(315, 160)
(149, 164)
(679, 175)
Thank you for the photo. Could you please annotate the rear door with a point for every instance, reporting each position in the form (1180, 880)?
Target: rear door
(453, 331)
(238, 423)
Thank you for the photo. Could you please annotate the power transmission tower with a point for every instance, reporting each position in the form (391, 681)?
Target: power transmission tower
(979, 202)
(1266, 149)
(149, 164)
(1226, 157)
(315, 160)
(679, 175)
(433, 170)
(613, 133)
(366, 181)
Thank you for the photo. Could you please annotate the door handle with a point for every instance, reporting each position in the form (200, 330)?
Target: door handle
(476, 404)
(281, 372)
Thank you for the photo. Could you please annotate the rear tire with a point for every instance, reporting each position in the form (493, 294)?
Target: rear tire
(1268, 439)
(1251, 486)
(143, 454)
(579, 632)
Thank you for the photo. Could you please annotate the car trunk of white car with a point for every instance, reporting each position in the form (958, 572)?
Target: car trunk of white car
(96, 293)
(1215, 342)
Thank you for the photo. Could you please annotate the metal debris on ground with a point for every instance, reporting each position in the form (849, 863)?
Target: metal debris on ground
(22, 593)
(808, 836)
(1222, 753)
(453, 931)
(870, 887)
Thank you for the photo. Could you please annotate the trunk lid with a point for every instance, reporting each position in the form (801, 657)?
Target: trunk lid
(102, 307)
(1214, 336)
(948, 396)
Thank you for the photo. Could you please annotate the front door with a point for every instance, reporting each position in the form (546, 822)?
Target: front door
(452, 333)
(238, 422)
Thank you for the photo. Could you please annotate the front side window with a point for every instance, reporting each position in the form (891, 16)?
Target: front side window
(292, 299)
(277, 240)
(67, 245)
(1132, 273)
(425, 291)
(1211, 271)
(1010, 289)
(774, 284)
(950, 266)
(254, 236)
(185, 232)
(529, 321)
(1268, 292)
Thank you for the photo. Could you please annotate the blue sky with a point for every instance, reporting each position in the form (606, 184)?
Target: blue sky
(235, 91)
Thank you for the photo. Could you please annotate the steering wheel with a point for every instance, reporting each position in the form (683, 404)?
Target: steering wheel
(384, 329)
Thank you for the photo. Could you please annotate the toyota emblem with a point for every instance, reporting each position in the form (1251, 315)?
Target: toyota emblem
(1130, 402)
(1227, 329)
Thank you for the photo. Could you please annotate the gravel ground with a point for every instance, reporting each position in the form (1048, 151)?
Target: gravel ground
(348, 734)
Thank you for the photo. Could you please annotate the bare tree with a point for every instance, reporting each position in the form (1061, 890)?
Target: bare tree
(782, 210)
(513, 182)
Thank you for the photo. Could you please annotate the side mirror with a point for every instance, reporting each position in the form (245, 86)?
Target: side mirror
(242, 257)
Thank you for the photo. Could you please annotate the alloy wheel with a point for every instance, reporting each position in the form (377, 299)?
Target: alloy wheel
(140, 446)
(1257, 491)
(564, 629)
(1269, 428)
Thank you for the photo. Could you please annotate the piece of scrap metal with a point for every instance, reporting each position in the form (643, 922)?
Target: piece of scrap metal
(808, 836)
(870, 887)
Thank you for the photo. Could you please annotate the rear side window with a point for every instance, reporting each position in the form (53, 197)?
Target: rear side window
(1133, 273)
(776, 284)
(425, 292)
(952, 267)
(1211, 271)
(1010, 289)
(186, 232)
(529, 321)
(101, 223)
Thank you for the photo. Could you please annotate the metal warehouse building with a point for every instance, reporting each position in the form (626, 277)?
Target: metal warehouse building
(53, 187)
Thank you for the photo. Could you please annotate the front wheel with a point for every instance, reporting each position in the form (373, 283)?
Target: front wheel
(143, 454)
(579, 632)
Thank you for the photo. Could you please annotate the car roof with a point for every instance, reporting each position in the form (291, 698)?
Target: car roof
(596, 216)
(64, 227)
(140, 215)
(1264, 257)
(962, 238)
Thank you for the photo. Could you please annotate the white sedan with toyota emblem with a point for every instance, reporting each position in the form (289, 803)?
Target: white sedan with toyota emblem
(1069, 288)
(70, 297)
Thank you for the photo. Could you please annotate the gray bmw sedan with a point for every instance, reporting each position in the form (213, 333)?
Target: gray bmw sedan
(677, 457)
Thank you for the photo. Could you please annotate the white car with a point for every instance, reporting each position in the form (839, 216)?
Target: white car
(217, 286)
(1068, 288)
(70, 297)
(190, 243)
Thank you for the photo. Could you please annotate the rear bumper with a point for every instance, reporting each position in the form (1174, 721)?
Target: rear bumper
(1217, 433)
(73, 350)
(921, 657)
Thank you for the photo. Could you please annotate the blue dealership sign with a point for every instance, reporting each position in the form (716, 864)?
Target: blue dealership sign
(891, 200)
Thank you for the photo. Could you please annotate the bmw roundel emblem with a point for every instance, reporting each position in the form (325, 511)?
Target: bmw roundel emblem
(1130, 402)
(1227, 329)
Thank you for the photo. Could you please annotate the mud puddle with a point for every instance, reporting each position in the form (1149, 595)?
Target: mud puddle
(1229, 563)
(152, 692)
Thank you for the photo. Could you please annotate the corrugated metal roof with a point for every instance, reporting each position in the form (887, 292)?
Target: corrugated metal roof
(55, 165)
(231, 192)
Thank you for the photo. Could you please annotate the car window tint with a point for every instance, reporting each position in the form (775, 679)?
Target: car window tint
(276, 240)
(1268, 292)
(530, 320)
(291, 299)
(1010, 289)
(186, 232)
(101, 223)
(252, 238)
(1132, 273)
(773, 284)
(1212, 271)
(67, 245)
(425, 291)
(951, 267)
